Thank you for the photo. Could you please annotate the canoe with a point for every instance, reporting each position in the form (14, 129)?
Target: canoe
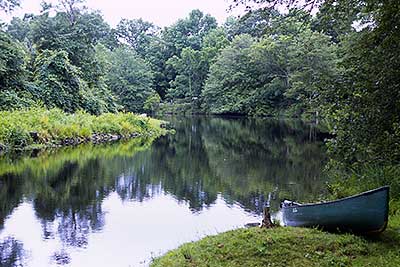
(366, 213)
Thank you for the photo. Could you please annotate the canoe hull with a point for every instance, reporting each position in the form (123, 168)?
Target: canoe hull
(363, 213)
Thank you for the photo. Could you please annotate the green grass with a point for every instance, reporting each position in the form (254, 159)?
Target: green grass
(286, 246)
(300, 247)
(53, 126)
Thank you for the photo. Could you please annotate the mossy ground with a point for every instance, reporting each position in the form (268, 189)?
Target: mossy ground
(286, 246)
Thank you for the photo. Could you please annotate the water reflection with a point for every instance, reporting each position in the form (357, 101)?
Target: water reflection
(11, 252)
(218, 169)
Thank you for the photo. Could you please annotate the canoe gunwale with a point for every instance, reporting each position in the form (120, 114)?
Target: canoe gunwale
(383, 188)
(354, 227)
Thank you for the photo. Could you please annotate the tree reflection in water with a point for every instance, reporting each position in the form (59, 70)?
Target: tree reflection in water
(11, 253)
(241, 159)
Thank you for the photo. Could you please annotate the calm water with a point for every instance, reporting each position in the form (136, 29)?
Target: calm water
(122, 204)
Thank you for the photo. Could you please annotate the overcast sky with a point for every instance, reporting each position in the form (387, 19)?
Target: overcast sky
(160, 12)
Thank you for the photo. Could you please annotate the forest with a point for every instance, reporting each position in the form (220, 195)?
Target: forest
(332, 61)
(322, 69)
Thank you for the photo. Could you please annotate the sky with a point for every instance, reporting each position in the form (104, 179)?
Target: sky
(160, 12)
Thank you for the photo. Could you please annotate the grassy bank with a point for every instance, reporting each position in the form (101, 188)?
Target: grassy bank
(300, 247)
(286, 246)
(26, 129)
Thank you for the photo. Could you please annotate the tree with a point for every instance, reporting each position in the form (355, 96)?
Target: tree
(137, 34)
(188, 32)
(14, 85)
(72, 8)
(157, 55)
(335, 21)
(216, 40)
(366, 109)
(9, 5)
(363, 107)
(230, 79)
(59, 84)
(20, 29)
(152, 103)
(78, 41)
(309, 5)
(256, 23)
(192, 66)
(12, 71)
(313, 67)
(130, 79)
(283, 72)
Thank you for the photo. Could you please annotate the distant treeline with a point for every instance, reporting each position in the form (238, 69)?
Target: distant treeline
(265, 63)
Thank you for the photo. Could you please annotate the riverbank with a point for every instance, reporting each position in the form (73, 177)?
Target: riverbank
(301, 247)
(287, 246)
(41, 128)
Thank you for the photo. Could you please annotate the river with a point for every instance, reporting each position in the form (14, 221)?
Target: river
(123, 204)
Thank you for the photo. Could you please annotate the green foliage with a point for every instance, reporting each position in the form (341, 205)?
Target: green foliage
(152, 103)
(256, 23)
(283, 72)
(191, 71)
(229, 78)
(130, 79)
(54, 126)
(366, 112)
(313, 62)
(213, 43)
(58, 80)
(12, 72)
(362, 102)
(11, 99)
(19, 29)
(137, 33)
(78, 41)
(192, 67)
(188, 32)
(285, 246)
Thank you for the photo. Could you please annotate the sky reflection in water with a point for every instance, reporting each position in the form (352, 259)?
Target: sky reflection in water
(121, 204)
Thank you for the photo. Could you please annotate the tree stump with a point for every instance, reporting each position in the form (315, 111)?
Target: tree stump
(266, 222)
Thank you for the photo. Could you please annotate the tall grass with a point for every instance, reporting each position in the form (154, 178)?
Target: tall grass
(37, 126)
(346, 182)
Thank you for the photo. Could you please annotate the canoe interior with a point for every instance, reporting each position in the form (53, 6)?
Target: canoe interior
(363, 213)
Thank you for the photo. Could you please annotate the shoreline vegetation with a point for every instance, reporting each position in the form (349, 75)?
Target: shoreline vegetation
(287, 246)
(38, 128)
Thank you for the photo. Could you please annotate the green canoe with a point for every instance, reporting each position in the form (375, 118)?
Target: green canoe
(364, 213)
